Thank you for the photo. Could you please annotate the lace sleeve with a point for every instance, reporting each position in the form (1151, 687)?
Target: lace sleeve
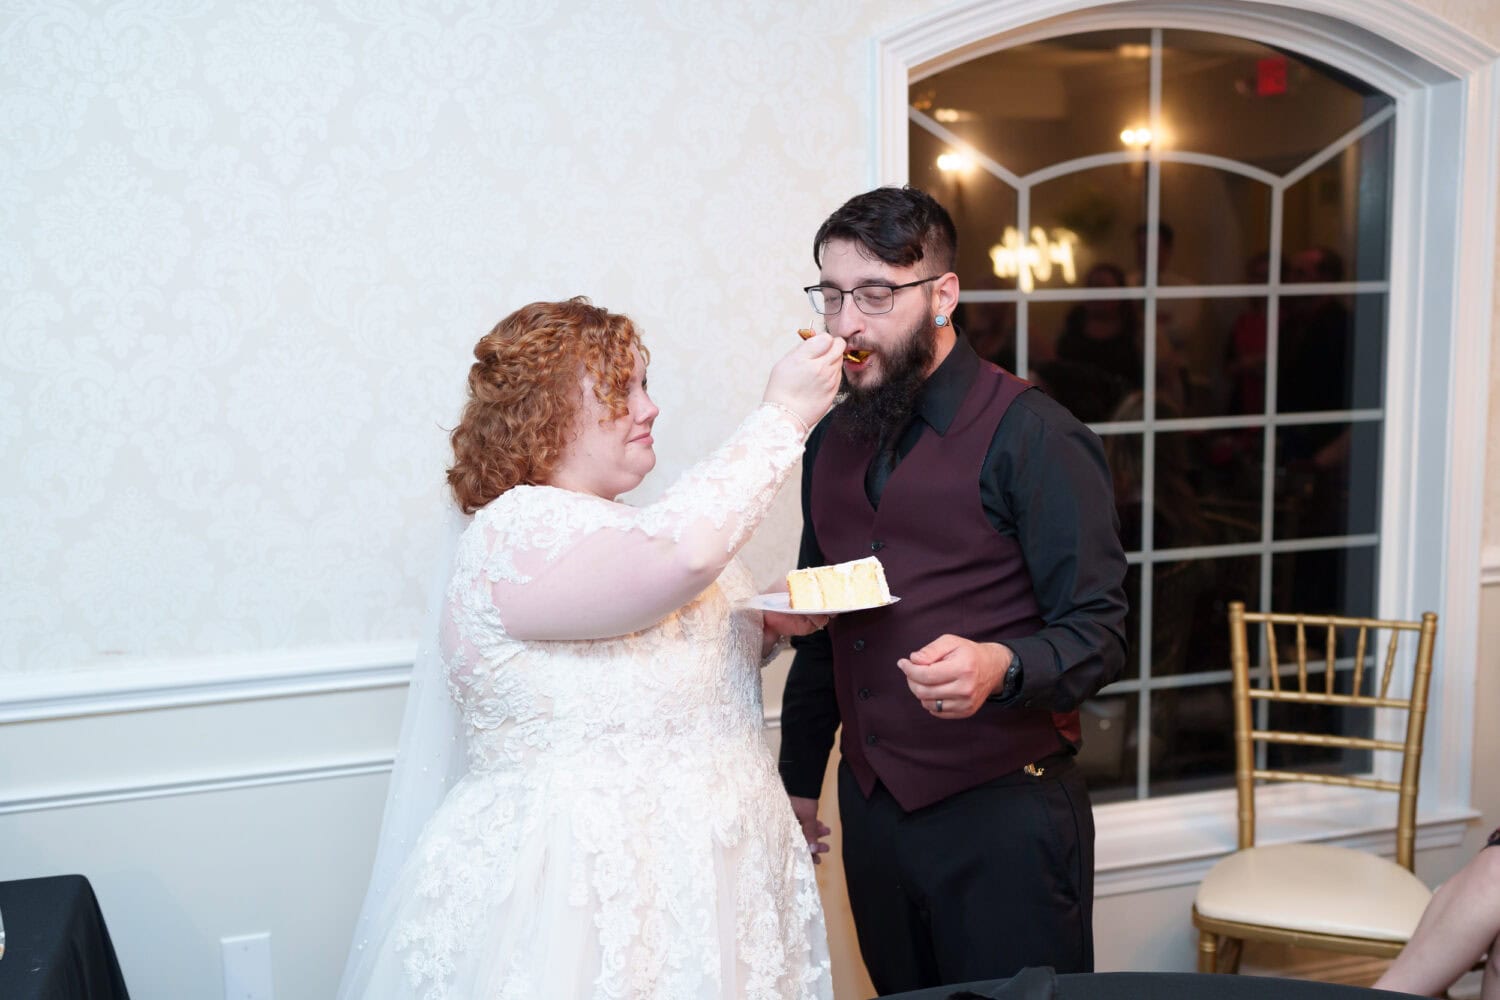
(567, 566)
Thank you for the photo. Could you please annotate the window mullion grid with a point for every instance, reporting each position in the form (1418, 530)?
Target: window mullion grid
(1286, 670)
(1150, 292)
(1023, 314)
(1268, 443)
(1136, 292)
(1148, 436)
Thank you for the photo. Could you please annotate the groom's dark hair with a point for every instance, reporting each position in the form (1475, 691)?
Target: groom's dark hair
(899, 225)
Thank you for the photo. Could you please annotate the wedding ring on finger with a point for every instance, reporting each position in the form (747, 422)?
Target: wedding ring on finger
(938, 707)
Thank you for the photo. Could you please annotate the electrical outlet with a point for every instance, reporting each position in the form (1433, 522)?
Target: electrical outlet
(247, 966)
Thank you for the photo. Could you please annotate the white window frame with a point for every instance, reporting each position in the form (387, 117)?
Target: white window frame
(1446, 170)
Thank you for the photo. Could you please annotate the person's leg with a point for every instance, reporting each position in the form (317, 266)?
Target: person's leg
(892, 930)
(1006, 872)
(1458, 926)
(1491, 988)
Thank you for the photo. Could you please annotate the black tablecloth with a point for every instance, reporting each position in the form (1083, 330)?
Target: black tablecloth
(56, 944)
(1033, 984)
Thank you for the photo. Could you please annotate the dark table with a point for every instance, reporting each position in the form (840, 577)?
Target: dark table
(1031, 985)
(56, 944)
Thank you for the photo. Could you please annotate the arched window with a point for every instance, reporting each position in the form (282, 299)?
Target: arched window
(1184, 238)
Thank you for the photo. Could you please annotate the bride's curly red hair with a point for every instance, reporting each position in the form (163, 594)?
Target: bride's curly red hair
(525, 388)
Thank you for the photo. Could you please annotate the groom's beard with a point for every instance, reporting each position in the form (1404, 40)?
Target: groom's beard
(873, 414)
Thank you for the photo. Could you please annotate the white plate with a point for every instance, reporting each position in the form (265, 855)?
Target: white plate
(781, 601)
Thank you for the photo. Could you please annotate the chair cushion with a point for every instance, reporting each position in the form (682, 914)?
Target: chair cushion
(1316, 888)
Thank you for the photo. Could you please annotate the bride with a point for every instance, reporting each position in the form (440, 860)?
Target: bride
(583, 804)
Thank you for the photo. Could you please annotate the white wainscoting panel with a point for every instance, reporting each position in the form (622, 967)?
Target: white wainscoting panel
(152, 753)
(203, 809)
(176, 874)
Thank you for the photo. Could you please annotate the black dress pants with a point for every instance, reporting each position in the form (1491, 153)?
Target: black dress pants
(977, 886)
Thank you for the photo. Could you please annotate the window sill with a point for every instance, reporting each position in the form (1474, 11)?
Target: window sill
(1174, 841)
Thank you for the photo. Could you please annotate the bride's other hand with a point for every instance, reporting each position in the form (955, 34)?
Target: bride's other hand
(807, 377)
(788, 624)
(775, 624)
(806, 811)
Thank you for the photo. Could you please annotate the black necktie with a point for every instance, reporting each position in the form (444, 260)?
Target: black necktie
(884, 463)
(879, 473)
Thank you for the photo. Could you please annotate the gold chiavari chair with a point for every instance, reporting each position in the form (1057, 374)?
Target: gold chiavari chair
(1317, 895)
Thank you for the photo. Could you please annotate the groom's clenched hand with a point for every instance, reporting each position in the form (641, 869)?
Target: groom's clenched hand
(952, 676)
(806, 811)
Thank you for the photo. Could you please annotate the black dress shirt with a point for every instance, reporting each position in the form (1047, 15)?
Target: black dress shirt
(1045, 483)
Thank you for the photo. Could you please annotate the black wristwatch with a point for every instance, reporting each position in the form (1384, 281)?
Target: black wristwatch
(1011, 686)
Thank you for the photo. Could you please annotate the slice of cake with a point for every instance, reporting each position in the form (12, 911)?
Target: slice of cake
(857, 584)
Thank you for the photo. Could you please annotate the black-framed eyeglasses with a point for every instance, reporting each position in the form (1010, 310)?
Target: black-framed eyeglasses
(872, 300)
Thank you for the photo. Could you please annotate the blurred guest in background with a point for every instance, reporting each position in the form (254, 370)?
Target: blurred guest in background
(1104, 335)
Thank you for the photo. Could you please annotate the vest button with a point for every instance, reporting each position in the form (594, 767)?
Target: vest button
(859, 644)
(876, 546)
(871, 740)
(864, 694)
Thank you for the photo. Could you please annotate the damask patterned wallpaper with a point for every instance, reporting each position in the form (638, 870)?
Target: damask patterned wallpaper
(245, 249)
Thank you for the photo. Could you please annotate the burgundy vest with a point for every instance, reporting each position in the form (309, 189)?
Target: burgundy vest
(954, 574)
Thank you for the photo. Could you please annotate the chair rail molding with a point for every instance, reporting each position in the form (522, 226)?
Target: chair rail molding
(1447, 87)
(223, 781)
(1489, 566)
(147, 683)
(147, 691)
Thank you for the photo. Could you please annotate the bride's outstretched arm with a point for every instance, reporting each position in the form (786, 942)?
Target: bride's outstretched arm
(567, 566)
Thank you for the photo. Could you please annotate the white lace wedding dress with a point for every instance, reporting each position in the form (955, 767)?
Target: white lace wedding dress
(621, 830)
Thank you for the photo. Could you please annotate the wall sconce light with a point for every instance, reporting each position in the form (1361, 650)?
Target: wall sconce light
(1136, 138)
(954, 163)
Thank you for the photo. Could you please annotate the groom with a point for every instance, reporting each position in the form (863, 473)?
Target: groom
(967, 832)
